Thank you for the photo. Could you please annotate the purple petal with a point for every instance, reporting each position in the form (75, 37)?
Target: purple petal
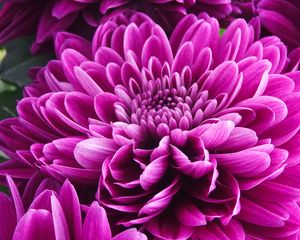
(132, 234)
(70, 59)
(186, 52)
(8, 219)
(16, 197)
(65, 7)
(217, 134)
(239, 139)
(222, 80)
(154, 172)
(215, 231)
(167, 227)
(161, 200)
(104, 107)
(86, 82)
(193, 169)
(188, 214)
(253, 212)
(59, 221)
(70, 204)
(35, 225)
(92, 152)
(255, 80)
(96, 225)
(245, 163)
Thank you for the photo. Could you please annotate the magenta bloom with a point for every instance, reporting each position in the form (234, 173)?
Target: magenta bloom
(45, 18)
(193, 137)
(55, 214)
(279, 17)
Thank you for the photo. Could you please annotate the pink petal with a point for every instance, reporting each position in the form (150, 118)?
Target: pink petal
(92, 152)
(216, 134)
(167, 227)
(245, 163)
(154, 172)
(59, 221)
(70, 204)
(215, 231)
(16, 198)
(35, 225)
(8, 219)
(96, 225)
(104, 107)
(132, 234)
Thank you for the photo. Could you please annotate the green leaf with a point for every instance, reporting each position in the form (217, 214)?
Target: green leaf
(222, 30)
(2, 54)
(3, 157)
(9, 93)
(4, 87)
(18, 51)
(18, 61)
(4, 189)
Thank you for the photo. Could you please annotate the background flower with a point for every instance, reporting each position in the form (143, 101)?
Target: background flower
(195, 136)
(279, 17)
(45, 18)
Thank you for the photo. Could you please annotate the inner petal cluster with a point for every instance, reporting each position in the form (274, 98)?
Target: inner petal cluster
(166, 103)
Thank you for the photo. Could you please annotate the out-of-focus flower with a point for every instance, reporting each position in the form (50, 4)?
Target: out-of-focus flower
(193, 137)
(55, 214)
(216, 8)
(47, 17)
(43, 18)
(277, 17)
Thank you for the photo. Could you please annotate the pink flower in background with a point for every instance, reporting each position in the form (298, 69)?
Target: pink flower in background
(18, 18)
(279, 17)
(193, 136)
(215, 8)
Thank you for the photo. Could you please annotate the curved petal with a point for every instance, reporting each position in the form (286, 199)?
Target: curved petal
(96, 225)
(215, 231)
(8, 219)
(104, 107)
(35, 225)
(92, 152)
(167, 227)
(132, 234)
(59, 221)
(70, 204)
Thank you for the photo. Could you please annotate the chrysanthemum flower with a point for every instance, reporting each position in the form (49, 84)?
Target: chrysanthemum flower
(279, 17)
(193, 137)
(54, 214)
(47, 17)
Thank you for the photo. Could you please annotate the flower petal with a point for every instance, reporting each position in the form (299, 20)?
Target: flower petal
(96, 225)
(35, 225)
(92, 152)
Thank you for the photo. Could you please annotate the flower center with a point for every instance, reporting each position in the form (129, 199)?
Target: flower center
(169, 106)
(168, 102)
(164, 99)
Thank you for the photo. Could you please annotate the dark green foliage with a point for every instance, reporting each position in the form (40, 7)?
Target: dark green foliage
(18, 60)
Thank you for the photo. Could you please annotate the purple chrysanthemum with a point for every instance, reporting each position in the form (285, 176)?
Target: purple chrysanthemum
(47, 17)
(193, 137)
(279, 17)
(54, 213)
